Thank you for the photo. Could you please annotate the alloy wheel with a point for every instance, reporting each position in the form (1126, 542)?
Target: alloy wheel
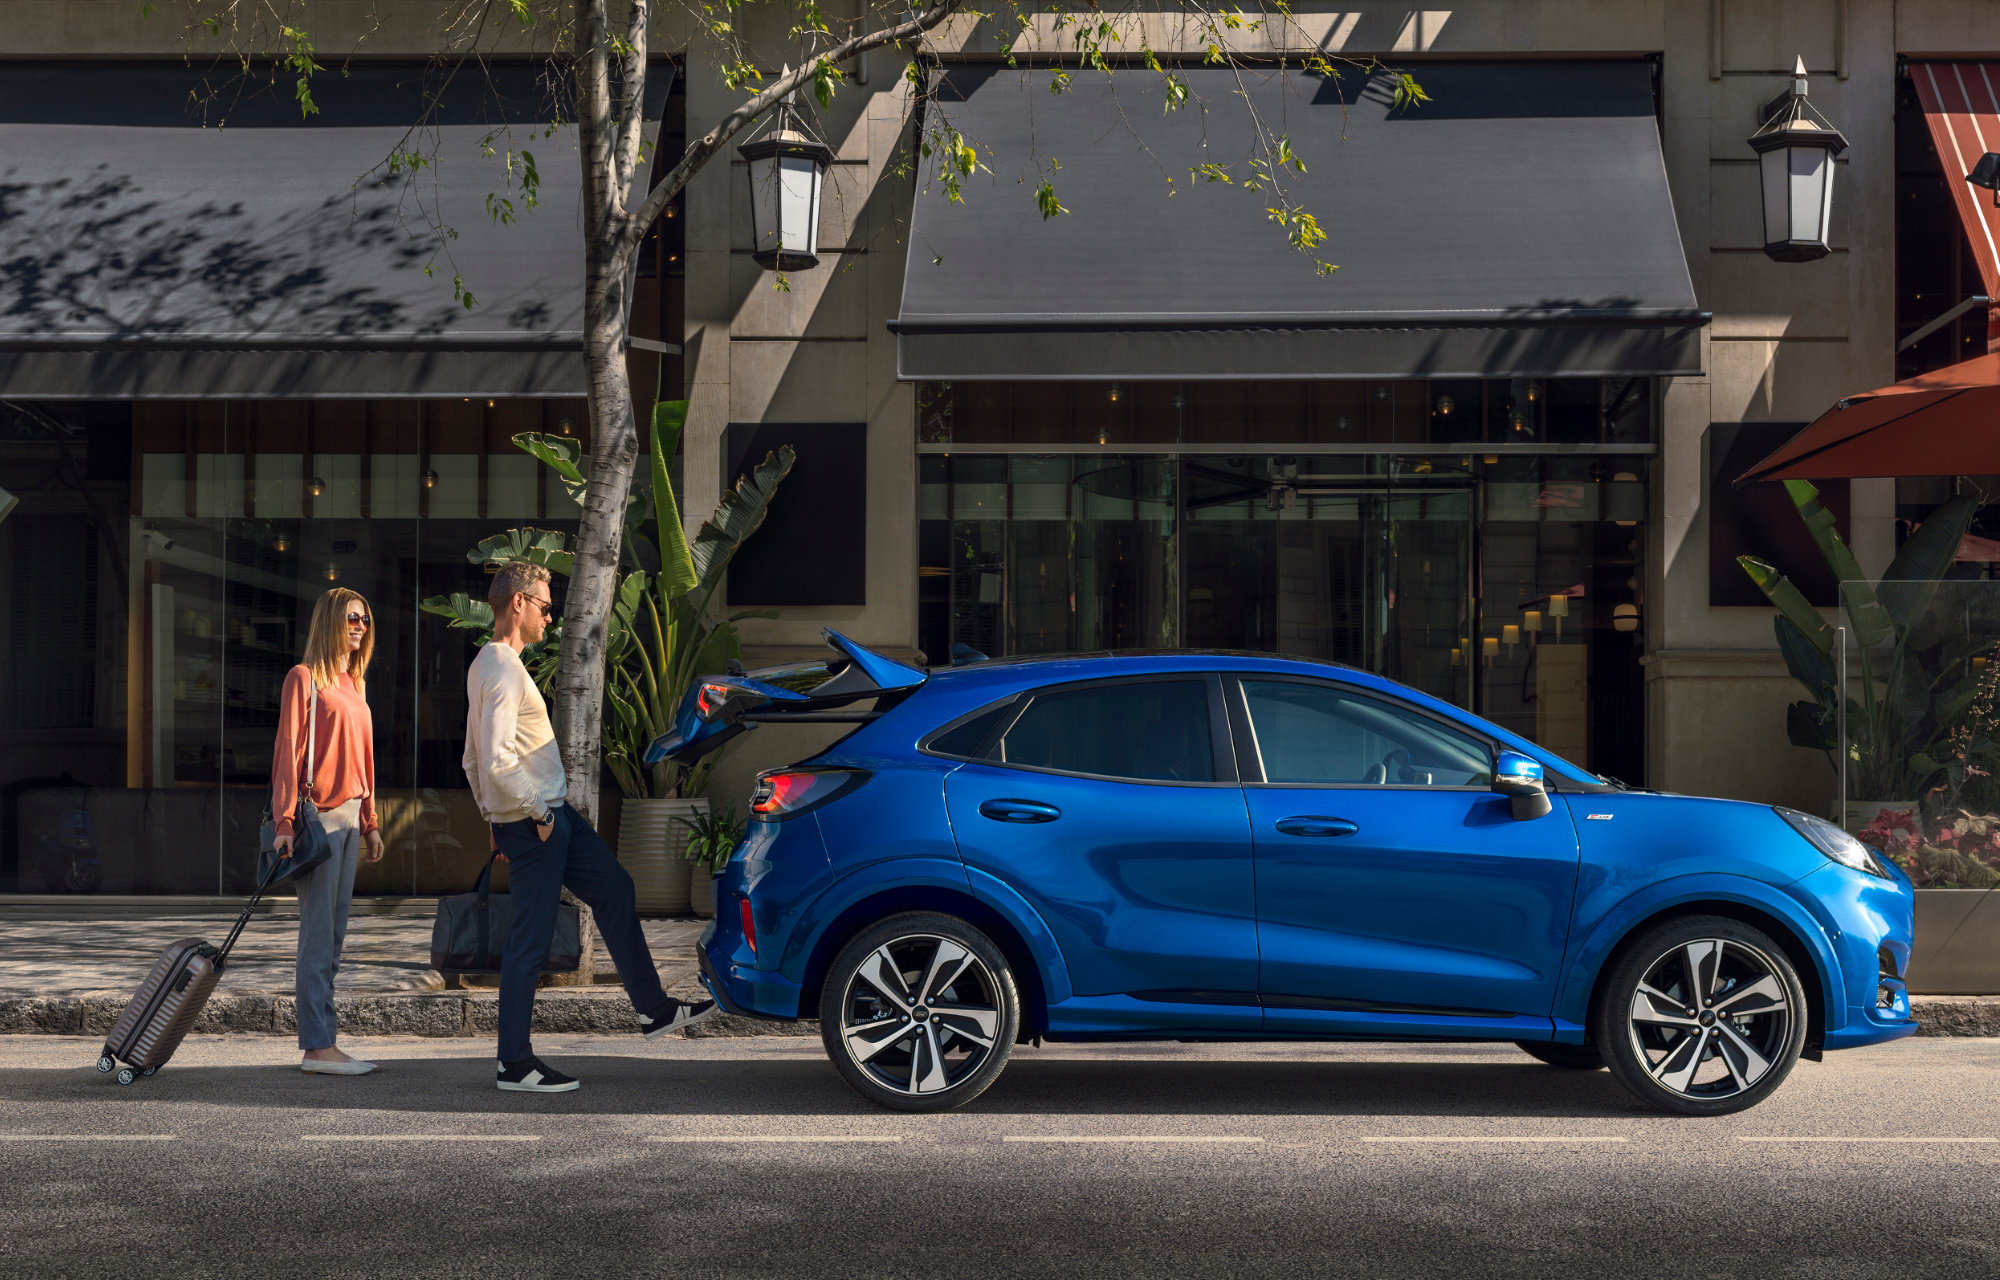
(920, 1014)
(1710, 1018)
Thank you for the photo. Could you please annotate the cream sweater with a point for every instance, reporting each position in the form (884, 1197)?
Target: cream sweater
(511, 758)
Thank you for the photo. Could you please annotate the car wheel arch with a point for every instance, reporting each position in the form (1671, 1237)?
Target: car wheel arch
(865, 912)
(1780, 930)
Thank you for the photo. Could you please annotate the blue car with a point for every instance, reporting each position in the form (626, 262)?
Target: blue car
(1236, 846)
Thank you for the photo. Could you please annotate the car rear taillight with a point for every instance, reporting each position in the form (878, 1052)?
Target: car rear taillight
(749, 925)
(786, 793)
(710, 699)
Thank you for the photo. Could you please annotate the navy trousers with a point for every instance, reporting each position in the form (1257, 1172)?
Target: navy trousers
(576, 856)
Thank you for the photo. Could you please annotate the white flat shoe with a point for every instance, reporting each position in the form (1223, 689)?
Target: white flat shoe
(351, 1067)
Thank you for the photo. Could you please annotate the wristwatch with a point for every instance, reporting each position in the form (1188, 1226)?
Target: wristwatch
(548, 818)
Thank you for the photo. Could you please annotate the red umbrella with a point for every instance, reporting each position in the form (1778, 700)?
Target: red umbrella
(1945, 423)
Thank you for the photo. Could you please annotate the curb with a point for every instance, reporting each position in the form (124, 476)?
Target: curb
(444, 1014)
(447, 1014)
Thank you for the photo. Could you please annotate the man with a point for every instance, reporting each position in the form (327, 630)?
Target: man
(517, 778)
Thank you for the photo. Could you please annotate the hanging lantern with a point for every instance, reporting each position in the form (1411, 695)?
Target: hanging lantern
(1795, 147)
(787, 171)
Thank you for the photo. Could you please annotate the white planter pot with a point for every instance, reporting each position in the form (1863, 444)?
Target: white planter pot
(650, 845)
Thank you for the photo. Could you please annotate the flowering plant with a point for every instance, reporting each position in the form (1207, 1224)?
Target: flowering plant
(1963, 852)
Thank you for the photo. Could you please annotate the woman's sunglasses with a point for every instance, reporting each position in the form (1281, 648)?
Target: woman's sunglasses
(358, 620)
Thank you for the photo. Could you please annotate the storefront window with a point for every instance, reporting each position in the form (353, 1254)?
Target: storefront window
(161, 569)
(1507, 581)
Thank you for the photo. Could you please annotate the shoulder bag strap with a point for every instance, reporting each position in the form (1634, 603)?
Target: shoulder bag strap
(312, 735)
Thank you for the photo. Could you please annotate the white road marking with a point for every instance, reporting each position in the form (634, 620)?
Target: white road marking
(1512, 1138)
(1741, 1138)
(1133, 1137)
(419, 1137)
(87, 1137)
(779, 1137)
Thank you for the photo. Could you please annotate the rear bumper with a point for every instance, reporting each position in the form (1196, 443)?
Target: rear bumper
(742, 989)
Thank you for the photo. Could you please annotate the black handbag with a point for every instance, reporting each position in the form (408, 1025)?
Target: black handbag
(310, 846)
(471, 931)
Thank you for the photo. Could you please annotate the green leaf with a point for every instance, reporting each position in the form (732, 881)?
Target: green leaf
(1870, 619)
(1932, 548)
(559, 454)
(1808, 725)
(548, 547)
(737, 516)
(1791, 603)
(1808, 665)
(677, 575)
(463, 611)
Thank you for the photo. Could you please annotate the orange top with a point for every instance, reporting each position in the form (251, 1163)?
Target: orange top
(344, 749)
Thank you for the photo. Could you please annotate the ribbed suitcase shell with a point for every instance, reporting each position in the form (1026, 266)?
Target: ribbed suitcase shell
(166, 1005)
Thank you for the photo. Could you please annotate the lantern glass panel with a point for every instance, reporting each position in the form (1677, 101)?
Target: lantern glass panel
(764, 189)
(798, 198)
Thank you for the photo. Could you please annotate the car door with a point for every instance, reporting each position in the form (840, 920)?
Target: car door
(1113, 808)
(1395, 891)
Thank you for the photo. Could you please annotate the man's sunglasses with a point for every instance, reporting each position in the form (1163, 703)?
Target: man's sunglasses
(546, 606)
(358, 620)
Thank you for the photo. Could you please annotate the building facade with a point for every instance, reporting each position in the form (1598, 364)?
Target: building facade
(1506, 479)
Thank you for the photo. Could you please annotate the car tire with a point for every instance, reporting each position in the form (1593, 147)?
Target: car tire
(1575, 1057)
(919, 1012)
(1700, 1016)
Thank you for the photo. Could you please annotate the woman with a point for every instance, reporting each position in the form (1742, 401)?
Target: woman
(338, 646)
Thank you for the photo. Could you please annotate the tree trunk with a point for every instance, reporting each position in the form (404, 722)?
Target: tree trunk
(579, 683)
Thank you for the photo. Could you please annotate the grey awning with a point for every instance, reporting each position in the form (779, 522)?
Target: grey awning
(145, 255)
(1519, 224)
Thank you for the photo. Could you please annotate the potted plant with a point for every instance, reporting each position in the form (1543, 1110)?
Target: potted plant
(711, 838)
(661, 637)
(1914, 671)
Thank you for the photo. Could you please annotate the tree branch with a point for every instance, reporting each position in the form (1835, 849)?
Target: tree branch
(631, 122)
(702, 149)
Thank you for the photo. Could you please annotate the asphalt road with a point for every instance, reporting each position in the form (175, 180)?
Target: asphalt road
(751, 1157)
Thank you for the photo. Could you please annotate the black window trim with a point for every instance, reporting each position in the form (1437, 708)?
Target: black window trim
(1222, 746)
(924, 744)
(1246, 737)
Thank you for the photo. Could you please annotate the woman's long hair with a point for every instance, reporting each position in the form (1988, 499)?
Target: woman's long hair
(326, 639)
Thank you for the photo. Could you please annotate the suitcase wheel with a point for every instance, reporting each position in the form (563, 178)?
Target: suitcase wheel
(149, 1071)
(105, 1063)
(127, 1076)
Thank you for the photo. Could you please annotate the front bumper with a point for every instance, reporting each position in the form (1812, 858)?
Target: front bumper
(1869, 922)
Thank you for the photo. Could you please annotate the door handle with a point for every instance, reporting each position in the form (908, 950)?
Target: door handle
(1315, 825)
(1019, 811)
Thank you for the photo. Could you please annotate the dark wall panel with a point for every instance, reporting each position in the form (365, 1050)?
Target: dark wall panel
(1759, 519)
(812, 547)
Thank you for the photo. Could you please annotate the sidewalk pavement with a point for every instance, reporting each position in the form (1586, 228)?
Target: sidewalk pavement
(70, 975)
(63, 974)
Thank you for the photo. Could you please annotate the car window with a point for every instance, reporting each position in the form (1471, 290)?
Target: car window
(1151, 731)
(1314, 733)
(965, 740)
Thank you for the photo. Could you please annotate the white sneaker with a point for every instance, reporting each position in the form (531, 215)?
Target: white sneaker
(351, 1067)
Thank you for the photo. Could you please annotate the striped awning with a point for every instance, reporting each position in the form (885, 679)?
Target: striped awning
(1961, 102)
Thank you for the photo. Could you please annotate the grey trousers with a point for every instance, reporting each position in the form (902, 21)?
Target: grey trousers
(324, 895)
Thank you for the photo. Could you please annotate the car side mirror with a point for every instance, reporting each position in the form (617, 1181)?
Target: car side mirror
(1520, 778)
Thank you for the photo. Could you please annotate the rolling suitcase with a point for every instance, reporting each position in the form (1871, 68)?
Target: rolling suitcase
(168, 1001)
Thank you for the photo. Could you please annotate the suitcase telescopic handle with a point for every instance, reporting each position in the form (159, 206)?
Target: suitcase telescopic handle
(249, 909)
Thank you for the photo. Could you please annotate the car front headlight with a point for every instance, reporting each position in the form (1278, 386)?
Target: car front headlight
(1834, 842)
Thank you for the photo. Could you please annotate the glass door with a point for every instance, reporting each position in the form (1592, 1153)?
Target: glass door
(1376, 573)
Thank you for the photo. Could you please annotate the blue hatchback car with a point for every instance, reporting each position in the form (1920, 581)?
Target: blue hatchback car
(1236, 846)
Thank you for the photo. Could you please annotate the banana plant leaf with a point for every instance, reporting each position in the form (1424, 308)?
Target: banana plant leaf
(677, 573)
(736, 517)
(550, 548)
(1869, 619)
(1792, 606)
(462, 611)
